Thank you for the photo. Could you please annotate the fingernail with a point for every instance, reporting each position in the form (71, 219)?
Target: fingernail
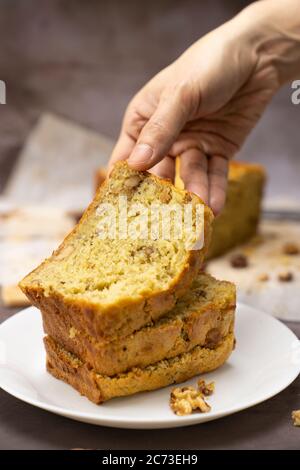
(142, 153)
(215, 205)
(194, 188)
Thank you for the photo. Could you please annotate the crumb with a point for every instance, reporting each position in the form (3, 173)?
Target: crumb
(185, 400)
(263, 277)
(256, 240)
(239, 261)
(291, 249)
(296, 417)
(285, 277)
(206, 389)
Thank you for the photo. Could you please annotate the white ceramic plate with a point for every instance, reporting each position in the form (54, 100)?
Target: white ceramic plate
(266, 360)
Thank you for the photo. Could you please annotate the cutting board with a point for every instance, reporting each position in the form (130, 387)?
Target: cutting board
(57, 164)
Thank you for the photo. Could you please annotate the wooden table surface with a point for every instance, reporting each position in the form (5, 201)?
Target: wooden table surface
(84, 60)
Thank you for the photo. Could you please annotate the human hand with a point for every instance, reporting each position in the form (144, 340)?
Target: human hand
(201, 108)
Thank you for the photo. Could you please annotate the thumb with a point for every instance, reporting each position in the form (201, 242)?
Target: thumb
(158, 135)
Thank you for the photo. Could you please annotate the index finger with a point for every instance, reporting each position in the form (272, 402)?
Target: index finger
(122, 149)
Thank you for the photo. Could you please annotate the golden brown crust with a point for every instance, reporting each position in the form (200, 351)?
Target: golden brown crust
(127, 315)
(237, 168)
(162, 340)
(100, 176)
(99, 388)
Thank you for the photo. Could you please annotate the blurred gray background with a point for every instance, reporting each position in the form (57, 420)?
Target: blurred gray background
(85, 59)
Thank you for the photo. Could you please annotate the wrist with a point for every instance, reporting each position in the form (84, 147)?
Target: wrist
(271, 32)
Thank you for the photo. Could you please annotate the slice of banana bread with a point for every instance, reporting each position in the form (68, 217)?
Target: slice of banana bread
(111, 278)
(99, 388)
(240, 216)
(203, 316)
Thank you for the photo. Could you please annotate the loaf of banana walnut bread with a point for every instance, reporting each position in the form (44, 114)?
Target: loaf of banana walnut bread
(111, 286)
(99, 388)
(203, 316)
(240, 216)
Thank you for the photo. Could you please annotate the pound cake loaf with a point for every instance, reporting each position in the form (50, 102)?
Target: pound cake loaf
(239, 218)
(203, 316)
(109, 283)
(99, 388)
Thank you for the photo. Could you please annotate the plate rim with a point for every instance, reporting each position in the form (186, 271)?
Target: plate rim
(141, 423)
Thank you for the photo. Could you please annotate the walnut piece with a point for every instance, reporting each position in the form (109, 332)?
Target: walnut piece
(213, 337)
(239, 261)
(72, 332)
(132, 181)
(206, 389)
(148, 250)
(285, 277)
(165, 196)
(263, 277)
(291, 249)
(145, 251)
(296, 417)
(185, 400)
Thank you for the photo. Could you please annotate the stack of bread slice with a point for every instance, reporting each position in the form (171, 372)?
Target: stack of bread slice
(127, 310)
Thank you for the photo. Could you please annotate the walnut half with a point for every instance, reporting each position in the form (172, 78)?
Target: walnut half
(296, 417)
(185, 400)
